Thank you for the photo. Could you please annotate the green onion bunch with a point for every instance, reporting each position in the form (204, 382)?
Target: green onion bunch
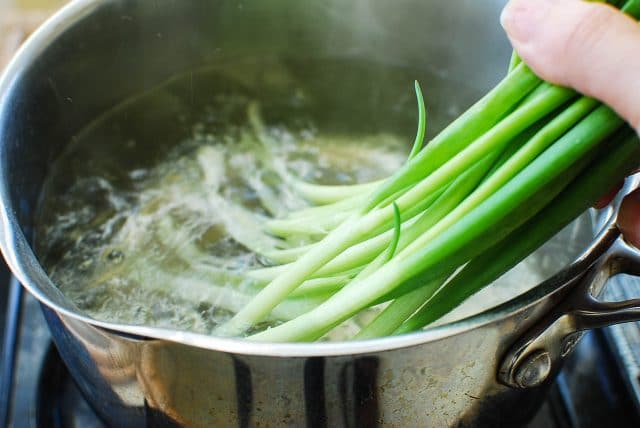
(492, 187)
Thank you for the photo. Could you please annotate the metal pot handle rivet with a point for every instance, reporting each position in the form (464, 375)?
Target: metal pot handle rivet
(534, 370)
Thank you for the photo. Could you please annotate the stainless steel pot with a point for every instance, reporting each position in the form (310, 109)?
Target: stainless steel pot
(488, 370)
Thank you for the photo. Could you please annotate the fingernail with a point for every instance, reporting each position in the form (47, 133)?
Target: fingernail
(522, 18)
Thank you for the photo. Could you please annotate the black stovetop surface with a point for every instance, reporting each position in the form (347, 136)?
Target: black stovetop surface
(590, 391)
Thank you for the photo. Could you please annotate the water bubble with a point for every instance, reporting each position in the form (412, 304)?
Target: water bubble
(138, 174)
(115, 256)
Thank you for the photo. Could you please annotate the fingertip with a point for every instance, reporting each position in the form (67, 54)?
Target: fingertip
(521, 19)
(629, 218)
(609, 196)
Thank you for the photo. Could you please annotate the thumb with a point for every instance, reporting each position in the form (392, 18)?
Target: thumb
(591, 47)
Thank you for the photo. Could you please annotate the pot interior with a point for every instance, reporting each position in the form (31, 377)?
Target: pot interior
(116, 86)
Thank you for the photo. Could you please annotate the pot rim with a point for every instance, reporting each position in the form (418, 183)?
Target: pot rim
(25, 266)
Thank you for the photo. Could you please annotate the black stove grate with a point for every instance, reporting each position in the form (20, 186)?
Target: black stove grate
(60, 402)
(10, 329)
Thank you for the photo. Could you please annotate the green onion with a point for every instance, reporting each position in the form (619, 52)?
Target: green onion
(462, 210)
(430, 257)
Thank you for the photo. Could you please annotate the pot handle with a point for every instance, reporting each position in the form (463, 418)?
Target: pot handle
(538, 355)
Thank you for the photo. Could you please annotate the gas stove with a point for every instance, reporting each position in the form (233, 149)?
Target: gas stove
(598, 386)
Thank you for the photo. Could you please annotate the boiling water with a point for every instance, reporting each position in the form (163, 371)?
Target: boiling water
(150, 215)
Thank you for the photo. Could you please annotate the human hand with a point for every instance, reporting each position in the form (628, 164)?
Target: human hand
(591, 47)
